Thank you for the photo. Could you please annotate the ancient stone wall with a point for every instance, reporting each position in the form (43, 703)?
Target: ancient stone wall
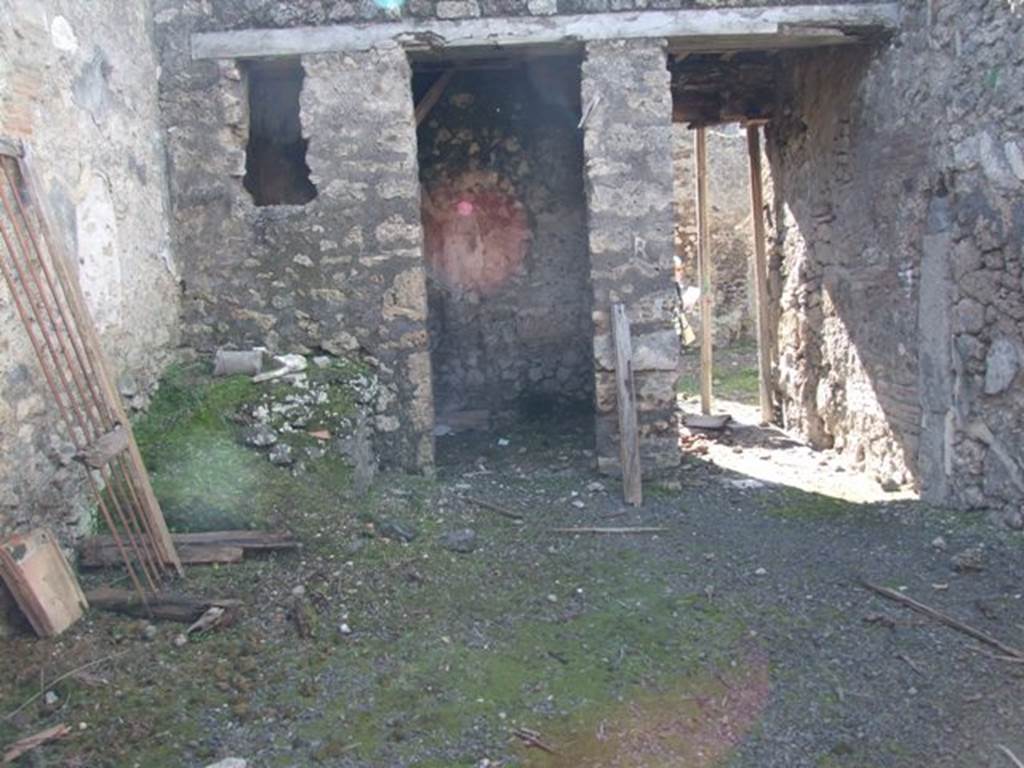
(501, 161)
(342, 272)
(78, 88)
(899, 225)
(731, 239)
(628, 151)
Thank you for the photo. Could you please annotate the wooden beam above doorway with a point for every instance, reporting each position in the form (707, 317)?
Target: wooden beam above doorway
(719, 29)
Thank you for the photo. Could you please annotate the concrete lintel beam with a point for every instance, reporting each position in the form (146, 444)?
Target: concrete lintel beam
(731, 27)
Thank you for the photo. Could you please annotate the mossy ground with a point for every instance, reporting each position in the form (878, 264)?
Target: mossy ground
(700, 646)
(734, 374)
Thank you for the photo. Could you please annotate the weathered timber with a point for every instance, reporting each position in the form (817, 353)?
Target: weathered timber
(433, 95)
(764, 357)
(42, 582)
(193, 548)
(625, 391)
(169, 607)
(700, 153)
(691, 29)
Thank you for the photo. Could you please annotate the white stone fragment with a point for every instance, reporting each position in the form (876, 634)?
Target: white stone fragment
(62, 36)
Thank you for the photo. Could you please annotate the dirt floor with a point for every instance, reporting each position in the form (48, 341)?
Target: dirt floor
(737, 636)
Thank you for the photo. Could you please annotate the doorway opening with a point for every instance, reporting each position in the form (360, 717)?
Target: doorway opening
(505, 243)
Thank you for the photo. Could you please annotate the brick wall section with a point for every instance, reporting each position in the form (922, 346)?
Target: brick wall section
(342, 273)
(629, 183)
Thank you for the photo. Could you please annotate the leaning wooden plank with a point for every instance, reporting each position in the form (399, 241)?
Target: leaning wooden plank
(433, 95)
(181, 608)
(27, 744)
(42, 582)
(625, 390)
(946, 619)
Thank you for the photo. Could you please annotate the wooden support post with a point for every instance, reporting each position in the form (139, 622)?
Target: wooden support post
(764, 359)
(704, 269)
(629, 440)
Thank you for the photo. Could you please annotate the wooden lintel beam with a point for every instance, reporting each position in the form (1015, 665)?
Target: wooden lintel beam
(433, 95)
(726, 27)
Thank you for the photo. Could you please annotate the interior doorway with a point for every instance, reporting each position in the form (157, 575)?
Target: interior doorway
(505, 240)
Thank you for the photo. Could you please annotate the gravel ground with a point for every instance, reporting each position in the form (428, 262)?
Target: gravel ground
(738, 636)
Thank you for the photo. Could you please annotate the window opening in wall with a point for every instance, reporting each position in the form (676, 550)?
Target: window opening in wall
(275, 164)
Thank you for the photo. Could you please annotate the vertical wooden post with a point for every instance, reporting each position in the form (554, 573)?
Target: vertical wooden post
(704, 269)
(764, 360)
(625, 391)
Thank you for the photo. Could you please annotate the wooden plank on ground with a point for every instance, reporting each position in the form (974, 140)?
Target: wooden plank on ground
(764, 357)
(629, 439)
(193, 548)
(169, 607)
(41, 582)
(700, 153)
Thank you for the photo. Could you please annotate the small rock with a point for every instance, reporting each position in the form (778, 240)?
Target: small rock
(149, 632)
(230, 762)
(50, 699)
(503, 442)
(344, 629)
(1015, 520)
(970, 560)
(761, 572)
(595, 487)
(552, 598)
(463, 540)
(281, 455)
(889, 484)
(260, 436)
(396, 531)
(298, 591)
(180, 640)
(939, 543)
(578, 504)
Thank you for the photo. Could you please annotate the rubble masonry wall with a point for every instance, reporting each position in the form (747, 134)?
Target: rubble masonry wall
(899, 223)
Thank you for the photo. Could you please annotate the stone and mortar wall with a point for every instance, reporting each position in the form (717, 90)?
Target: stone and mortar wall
(77, 86)
(731, 238)
(899, 229)
(342, 273)
(629, 178)
(501, 161)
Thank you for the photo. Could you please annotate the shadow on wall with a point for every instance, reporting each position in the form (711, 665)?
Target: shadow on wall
(847, 222)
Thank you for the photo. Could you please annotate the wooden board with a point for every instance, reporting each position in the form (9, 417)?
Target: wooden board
(764, 356)
(165, 606)
(192, 548)
(688, 29)
(42, 582)
(700, 154)
(629, 440)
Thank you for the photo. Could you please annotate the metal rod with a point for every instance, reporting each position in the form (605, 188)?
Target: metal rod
(83, 380)
(27, 321)
(85, 422)
(91, 344)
